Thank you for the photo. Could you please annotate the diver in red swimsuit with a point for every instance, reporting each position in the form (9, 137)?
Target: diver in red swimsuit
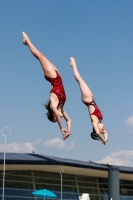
(57, 94)
(57, 88)
(99, 133)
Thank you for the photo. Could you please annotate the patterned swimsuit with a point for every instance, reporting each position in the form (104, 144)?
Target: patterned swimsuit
(96, 112)
(57, 88)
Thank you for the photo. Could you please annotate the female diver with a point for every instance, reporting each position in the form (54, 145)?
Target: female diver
(99, 133)
(57, 94)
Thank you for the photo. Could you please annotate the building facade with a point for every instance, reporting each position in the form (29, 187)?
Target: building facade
(26, 173)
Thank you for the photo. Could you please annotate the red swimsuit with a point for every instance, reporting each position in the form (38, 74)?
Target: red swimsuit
(96, 112)
(58, 88)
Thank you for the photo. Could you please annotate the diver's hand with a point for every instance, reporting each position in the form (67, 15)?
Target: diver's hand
(104, 142)
(65, 133)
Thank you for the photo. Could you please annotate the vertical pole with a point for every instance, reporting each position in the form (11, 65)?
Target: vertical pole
(98, 189)
(113, 183)
(33, 180)
(61, 185)
(77, 185)
(4, 170)
(61, 182)
(5, 135)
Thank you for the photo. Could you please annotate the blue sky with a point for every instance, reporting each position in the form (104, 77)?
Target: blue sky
(99, 34)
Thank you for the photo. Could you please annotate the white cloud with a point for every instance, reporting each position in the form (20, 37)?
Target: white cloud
(129, 121)
(38, 141)
(14, 147)
(58, 144)
(26, 147)
(124, 158)
(55, 143)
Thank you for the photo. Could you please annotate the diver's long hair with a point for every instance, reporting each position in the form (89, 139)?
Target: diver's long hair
(49, 114)
(94, 135)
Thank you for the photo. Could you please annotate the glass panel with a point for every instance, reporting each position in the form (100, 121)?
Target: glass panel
(11, 192)
(23, 173)
(48, 187)
(10, 177)
(1, 190)
(23, 178)
(57, 182)
(25, 193)
(71, 195)
(68, 177)
(23, 185)
(1, 176)
(57, 187)
(90, 185)
(89, 179)
(81, 190)
(46, 175)
(103, 180)
(37, 179)
(49, 181)
(12, 198)
(69, 182)
(10, 184)
(57, 176)
(38, 186)
(36, 173)
(1, 183)
(105, 197)
(79, 178)
(69, 188)
(81, 184)
(11, 172)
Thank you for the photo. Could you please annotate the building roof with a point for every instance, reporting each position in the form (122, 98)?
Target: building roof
(37, 159)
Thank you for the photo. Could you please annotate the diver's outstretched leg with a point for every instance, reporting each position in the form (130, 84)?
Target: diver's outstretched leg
(86, 93)
(47, 66)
